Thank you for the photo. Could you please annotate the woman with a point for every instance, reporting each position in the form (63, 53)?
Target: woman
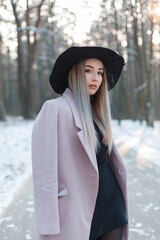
(79, 177)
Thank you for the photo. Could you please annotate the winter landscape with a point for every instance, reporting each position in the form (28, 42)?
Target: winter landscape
(143, 163)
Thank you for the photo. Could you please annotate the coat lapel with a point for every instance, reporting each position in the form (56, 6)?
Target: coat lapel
(89, 149)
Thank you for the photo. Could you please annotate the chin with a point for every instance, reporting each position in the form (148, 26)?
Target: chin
(92, 92)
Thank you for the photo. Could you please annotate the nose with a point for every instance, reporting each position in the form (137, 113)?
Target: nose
(95, 76)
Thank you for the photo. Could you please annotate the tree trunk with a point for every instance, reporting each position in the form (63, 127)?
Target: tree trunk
(2, 106)
(149, 107)
(21, 71)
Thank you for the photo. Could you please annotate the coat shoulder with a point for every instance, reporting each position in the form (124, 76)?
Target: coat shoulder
(58, 103)
(52, 109)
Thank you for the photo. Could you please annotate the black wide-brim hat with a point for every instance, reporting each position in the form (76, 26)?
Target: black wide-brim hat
(112, 61)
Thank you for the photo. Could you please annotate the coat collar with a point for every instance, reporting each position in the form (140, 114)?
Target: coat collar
(68, 94)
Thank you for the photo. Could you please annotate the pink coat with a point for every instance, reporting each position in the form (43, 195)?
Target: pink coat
(65, 172)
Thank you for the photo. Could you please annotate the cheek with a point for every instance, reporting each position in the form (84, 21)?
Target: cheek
(100, 81)
(87, 77)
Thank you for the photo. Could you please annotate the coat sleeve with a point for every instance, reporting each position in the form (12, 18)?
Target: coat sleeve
(45, 170)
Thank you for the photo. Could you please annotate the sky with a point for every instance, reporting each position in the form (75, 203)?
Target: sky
(85, 11)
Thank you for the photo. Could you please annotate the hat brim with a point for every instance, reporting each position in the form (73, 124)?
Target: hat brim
(112, 61)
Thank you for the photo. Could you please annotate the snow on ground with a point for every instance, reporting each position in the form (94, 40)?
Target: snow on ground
(15, 150)
(143, 139)
(15, 157)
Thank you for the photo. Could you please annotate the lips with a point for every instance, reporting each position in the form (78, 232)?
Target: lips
(93, 86)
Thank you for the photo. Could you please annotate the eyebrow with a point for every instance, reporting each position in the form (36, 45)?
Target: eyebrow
(93, 67)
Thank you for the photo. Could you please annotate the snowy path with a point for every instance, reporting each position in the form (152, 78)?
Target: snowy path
(144, 197)
(15, 157)
(143, 139)
(138, 144)
(144, 202)
(18, 221)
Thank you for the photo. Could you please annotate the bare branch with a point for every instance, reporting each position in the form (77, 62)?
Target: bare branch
(140, 88)
(45, 58)
(36, 30)
(130, 50)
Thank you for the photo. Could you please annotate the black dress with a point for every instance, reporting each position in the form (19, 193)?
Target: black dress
(109, 211)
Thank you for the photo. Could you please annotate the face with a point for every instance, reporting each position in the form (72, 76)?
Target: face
(93, 74)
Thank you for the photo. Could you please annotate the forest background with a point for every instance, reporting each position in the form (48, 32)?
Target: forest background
(33, 33)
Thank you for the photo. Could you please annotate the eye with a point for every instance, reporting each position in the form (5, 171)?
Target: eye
(100, 73)
(88, 70)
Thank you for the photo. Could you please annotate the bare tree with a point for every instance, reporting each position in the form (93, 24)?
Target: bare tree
(127, 27)
(2, 106)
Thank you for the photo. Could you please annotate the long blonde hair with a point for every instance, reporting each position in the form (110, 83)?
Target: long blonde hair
(98, 109)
